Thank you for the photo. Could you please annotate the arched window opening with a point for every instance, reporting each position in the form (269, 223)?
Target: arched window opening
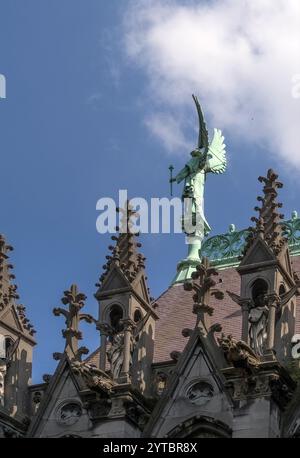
(137, 316)
(9, 347)
(281, 290)
(6, 347)
(115, 317)
(259, 290)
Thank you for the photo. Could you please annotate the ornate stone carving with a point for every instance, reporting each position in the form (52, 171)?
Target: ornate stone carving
(36, 400)
(47, 378)
(115, 353)
(239, 354)
(258, 320)
(69, 413)
(94, 377)
(136, 413)
(187, 332)
(175, 355)
(200, 393)
(281, 389)
(37, 397)
(249, 386)
(125, 253)
(203, 289)
(118, 349)
(72, 334)
(8, 289)
(161, 382)
(268, 223)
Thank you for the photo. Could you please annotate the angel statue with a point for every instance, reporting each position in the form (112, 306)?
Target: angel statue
(208, 157)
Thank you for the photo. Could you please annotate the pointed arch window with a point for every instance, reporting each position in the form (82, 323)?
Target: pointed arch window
(7, 347)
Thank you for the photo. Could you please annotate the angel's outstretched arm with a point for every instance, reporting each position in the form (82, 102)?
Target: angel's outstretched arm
(182, 174)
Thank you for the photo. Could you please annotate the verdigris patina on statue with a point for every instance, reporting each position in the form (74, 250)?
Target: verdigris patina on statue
(208, 157)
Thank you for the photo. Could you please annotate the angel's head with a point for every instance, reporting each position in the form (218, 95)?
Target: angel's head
(197, 153)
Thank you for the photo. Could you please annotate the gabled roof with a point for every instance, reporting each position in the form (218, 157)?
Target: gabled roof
(52, 393)
(201, 362)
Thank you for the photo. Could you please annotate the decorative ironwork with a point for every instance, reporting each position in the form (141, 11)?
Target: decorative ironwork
(292, 232)
(225, 250)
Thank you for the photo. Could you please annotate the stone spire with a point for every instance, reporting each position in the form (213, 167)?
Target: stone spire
(125, 254)
(75, 300)
(8, 289)
(268, 223)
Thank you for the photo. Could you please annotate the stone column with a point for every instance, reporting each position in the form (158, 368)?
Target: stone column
(245, 321)
(104, 330)
(273, 304)
(129, 325)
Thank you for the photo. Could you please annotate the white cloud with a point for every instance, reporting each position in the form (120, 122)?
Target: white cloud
(168, 129)
(239, 56)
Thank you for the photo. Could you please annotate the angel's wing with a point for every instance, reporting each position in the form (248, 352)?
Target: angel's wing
(246, 347)
(237, 299)
(203, 134)
(217, 162)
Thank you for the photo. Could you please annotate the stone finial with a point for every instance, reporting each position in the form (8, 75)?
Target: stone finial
(8, 289)
(75, 300)
(124, 253)
(204, 289)
(268, 224)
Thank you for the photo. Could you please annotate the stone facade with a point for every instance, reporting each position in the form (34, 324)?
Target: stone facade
(211, 357)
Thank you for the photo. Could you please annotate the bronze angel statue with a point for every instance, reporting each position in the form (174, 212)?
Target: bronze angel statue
(208, 157)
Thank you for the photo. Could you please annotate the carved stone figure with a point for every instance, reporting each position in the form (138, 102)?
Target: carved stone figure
(94, 377)
(239, 354)
(115, 353)
(258, 319)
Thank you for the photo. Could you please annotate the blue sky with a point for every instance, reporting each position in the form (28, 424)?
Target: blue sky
(80, 122)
